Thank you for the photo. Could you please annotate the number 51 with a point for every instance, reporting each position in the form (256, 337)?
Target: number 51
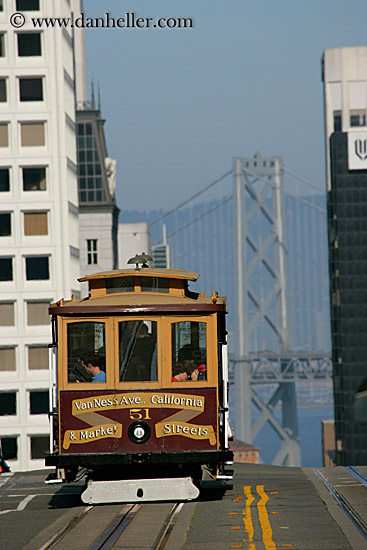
(135, 414)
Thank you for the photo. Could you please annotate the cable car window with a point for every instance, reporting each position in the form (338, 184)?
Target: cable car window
(86, 344)
(120, 284)
(189, 351)
(138, 351)
(154, 284)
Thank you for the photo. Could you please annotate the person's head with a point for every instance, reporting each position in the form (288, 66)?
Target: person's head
(185, 354)
(179, 372)
(93, 363)
(143, 331)
(183, 371)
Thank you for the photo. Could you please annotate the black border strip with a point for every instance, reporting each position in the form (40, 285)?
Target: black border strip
(103, 459)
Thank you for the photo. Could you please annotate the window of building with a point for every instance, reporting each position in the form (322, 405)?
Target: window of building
(1, 5)
(3, 91)
(4, 180)
(8, 403)
(6, 314)
(34, 179)
(29, 44)
(92, 251)
(32, 134)
(30, 89)
(358, 118)
(89, 166)
(38, 357)
(337, 121)
(35, 223)
(6, 269)
(4, 140)
(27, 5)
(9, 447)
(37, 268)
(37, 314)
(5, 224)
(40, 445)
(7, 359)
(38, 402)
(2, 44)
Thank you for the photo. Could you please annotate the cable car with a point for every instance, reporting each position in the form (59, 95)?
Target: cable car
(139, 387)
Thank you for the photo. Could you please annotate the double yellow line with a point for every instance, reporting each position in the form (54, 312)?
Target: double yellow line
(267, 533)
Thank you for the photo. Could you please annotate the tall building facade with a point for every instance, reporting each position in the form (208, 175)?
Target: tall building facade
(98, 212)
(39, 223)
(345, 95)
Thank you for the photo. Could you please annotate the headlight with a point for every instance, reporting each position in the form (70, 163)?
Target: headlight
(139, 432)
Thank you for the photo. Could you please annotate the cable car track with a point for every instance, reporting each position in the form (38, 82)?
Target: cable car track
(341, 500)
(356, 472)
(116, 528)
(166, 530)
(55, 539)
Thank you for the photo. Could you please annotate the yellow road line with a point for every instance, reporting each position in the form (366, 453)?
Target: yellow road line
(264, 519)
(247, 519)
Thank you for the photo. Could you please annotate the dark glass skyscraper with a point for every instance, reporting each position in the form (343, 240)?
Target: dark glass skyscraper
(344, 72)
(347, 216)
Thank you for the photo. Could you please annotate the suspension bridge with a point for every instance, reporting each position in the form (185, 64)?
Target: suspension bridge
(258, 233)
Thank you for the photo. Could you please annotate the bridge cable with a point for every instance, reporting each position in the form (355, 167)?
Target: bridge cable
(191, 198)
(304, 201)
(303, 180)
(215, 207)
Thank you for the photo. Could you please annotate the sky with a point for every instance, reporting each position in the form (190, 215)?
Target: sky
(180, 104)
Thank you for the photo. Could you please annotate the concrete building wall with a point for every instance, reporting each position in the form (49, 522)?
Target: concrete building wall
(133, 238)
(98, 212)
(96, 243)
(344, 73)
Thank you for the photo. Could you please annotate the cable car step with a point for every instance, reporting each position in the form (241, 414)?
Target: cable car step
(140, 490)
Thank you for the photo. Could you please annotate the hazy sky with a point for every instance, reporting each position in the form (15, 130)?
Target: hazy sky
(179, 104)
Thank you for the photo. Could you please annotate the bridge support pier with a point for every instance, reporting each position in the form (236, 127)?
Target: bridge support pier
(261, 316)
(289, 453)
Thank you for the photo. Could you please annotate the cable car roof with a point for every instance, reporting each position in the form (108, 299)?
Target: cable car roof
(108, 294)
(143, 272)
(139, 303)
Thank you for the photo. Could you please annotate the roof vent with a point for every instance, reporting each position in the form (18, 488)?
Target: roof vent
(140, 259)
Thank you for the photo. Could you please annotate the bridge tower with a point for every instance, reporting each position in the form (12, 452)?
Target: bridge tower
(261, 318)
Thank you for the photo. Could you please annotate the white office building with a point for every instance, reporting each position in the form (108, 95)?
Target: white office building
(344, 74)
(39, 225)
(58, 213)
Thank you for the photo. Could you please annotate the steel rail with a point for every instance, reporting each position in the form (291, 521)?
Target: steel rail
(114, 530)
(55, 539)
(356, 472)
(343, 502)
(107, 539)
(167, 527)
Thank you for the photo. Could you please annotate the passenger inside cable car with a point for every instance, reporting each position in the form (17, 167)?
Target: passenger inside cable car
(94, 365)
